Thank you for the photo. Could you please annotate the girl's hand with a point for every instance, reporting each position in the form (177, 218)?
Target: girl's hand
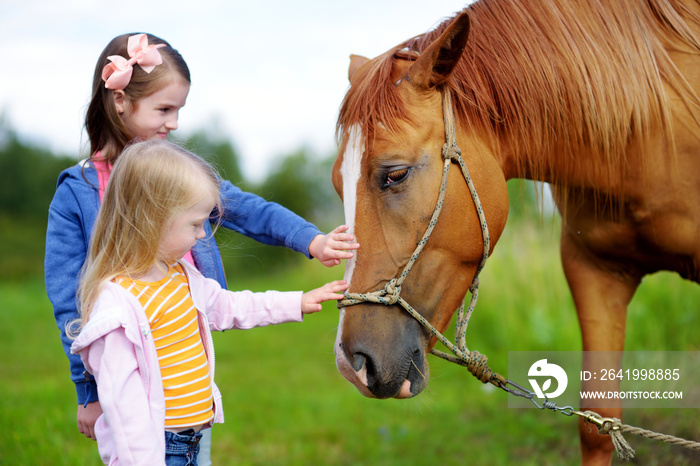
(311, 301)
(331, 248)
(87, 416)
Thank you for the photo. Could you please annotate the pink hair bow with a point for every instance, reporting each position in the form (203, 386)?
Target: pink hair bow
(117, 74)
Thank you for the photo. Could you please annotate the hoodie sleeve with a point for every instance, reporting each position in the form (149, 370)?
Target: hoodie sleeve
(70, 219)
(242, 309)
(264, 221)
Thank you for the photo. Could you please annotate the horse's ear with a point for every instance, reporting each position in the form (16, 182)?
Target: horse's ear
(438, 61)
(356, 62)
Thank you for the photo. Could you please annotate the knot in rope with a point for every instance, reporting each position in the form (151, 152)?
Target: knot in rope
(391, 291)
(451, 151)
(389, 295)
(478, 366)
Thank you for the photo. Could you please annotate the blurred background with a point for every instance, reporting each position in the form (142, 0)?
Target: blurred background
(268, 78)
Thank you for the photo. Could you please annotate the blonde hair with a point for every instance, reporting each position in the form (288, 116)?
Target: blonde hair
(151, 183)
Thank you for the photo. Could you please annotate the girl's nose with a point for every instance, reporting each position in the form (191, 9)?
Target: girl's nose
(171, 123)
(200, 233)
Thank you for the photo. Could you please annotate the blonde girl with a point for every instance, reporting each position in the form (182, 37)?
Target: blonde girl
(146, 314)
(140, 85)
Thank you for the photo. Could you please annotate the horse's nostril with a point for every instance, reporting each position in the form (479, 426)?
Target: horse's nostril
(358, 361)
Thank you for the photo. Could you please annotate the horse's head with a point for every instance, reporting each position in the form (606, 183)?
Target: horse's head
(388, 173)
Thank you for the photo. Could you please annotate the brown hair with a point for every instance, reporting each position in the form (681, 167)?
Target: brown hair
(105, 128)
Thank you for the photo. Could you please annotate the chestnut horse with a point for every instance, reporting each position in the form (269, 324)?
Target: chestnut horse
(599, 98)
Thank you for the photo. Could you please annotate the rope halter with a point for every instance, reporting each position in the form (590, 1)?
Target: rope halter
(475, 362)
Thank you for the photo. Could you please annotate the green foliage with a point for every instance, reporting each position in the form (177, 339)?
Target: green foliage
(22, 249)
(27, 177)
(291, 184)
(27, 182)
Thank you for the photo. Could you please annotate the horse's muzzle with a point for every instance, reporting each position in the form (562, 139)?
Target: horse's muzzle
(380, 369)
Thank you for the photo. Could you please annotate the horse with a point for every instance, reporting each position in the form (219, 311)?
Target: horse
(597, 98)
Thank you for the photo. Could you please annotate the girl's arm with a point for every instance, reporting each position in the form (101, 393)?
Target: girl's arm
(266, 222)
(65, 253)
(270, 223)
(245, 309)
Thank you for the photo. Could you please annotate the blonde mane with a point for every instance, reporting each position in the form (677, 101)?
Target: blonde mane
(573, 82)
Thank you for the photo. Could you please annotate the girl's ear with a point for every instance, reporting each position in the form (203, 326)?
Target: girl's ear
(119, 100)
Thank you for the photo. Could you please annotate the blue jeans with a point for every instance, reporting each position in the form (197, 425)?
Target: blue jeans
(204, 457)
(181, 449)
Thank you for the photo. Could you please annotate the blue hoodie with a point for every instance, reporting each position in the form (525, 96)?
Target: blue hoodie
(72, 214)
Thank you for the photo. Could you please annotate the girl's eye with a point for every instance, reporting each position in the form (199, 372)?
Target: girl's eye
(396, 176)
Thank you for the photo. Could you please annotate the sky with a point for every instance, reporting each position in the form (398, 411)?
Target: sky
(267, 75)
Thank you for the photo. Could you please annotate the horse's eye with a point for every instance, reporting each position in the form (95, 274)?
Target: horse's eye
(396, 176)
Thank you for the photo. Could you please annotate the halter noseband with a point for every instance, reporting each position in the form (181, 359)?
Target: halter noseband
(475, 362)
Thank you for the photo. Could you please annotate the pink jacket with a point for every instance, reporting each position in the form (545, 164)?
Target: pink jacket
(117, 347)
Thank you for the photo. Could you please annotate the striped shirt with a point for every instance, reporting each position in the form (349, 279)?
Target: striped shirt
(184, 366)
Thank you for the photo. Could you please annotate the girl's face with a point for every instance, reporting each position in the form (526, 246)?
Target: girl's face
(154, 116)
(185, 229)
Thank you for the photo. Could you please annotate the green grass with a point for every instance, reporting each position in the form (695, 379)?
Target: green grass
(285, 402)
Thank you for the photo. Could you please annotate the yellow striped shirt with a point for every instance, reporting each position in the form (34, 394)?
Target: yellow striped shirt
(183, 362)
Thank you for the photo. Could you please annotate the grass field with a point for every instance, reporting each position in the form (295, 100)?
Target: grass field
(286, 403)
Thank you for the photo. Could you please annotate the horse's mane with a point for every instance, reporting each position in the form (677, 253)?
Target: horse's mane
(576, 80)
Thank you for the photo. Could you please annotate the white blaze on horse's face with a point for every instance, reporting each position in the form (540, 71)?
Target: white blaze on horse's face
(350, 171)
